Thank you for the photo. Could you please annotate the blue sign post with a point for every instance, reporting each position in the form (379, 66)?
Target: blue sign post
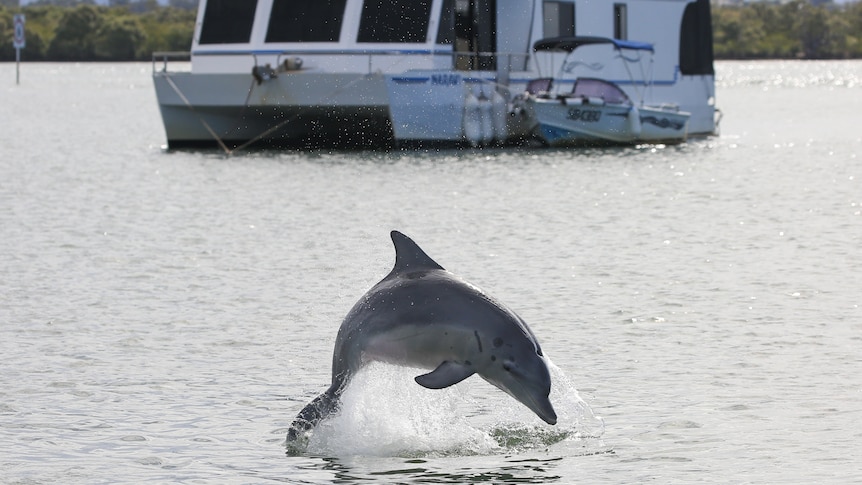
(19, 42)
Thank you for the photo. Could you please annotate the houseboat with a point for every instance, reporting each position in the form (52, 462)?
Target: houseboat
(384, 73)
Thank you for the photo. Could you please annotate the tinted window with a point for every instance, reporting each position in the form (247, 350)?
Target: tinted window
(305, 21)
(394, 21)
(559, 19)
(476, 34)
(446, 32)
(228, 21)
(695, 39)
(621, 21)
(600, 88)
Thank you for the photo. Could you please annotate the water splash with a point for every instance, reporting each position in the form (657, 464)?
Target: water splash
(385, 413)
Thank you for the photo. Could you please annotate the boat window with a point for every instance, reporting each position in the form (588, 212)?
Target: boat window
(599, 88)
(227, 22)
(446, 31)
(695, 40)
(559, 19)
(394, 21)
(621, 21)
(476, 35)
(305, 20)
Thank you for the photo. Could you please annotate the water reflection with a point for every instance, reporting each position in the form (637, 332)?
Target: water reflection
(462, 471)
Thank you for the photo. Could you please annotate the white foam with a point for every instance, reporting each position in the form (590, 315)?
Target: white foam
(385, 413)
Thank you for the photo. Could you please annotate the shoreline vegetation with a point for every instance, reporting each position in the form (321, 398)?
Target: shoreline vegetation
(131, 30)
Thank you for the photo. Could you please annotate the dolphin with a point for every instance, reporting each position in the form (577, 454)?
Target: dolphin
(422, 316)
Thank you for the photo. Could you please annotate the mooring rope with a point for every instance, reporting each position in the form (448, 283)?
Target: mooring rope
(274, 128)
(245, 106)
(192, 109)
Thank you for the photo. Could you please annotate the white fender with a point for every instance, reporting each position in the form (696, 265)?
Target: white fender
(500, 109)
(635, 122)
(487, 115)
(472, 124)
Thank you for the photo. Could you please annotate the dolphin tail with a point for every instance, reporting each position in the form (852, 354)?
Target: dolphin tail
(318, 409)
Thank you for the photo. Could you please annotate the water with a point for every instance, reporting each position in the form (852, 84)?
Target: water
(164, 315)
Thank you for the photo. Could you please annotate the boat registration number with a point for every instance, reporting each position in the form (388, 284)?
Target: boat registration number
(586, 115)
(446, 79)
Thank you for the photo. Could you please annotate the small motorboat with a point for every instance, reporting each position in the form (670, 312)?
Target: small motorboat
(599, 111)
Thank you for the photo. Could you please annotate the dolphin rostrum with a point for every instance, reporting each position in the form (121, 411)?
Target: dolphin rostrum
(421, 315)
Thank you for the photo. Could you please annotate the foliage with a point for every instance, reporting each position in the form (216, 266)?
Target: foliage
(75, 36)
(795, 30)
(79, 30)
(119, 39)
(123, 31)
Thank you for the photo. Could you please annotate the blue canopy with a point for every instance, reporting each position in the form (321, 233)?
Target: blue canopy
(569, 44)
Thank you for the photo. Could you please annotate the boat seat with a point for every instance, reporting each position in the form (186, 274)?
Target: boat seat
(540, 86)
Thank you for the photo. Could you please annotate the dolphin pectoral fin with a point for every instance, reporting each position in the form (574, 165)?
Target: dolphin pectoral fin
(445, 375)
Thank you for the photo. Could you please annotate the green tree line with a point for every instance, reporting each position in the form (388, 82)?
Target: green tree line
(794, 30)
(90, 32)
(132, 30)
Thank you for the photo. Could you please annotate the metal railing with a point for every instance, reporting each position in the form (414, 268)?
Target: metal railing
(461, 61)
(165, 56)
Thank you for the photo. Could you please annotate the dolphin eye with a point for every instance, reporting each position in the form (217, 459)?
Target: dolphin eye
(507, 366)
(539, 351)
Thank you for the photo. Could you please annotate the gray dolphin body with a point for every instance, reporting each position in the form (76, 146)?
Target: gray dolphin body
(421, 315)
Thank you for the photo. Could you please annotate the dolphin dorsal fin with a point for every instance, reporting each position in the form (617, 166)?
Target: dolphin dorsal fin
(409, 256)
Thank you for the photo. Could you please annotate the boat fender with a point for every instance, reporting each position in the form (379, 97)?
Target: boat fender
(500, 110)
(291, 64)
(472, 125)
(486, 117)
(635, 122)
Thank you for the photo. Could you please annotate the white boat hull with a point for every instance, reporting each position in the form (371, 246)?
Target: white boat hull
(289, 110)
(660, 125)
(326, 109)
(575, 121)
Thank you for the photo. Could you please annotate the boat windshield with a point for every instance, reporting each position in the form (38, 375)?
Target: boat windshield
(305, 21)
(599, 88)
(394, 21)
(227, 22)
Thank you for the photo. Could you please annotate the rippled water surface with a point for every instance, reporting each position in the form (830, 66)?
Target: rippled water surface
(164, 315)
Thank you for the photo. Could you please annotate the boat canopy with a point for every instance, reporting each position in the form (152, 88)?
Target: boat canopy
(569, 44)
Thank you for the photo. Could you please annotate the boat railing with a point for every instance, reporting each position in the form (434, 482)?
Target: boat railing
(163, 57)
(502, 62)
